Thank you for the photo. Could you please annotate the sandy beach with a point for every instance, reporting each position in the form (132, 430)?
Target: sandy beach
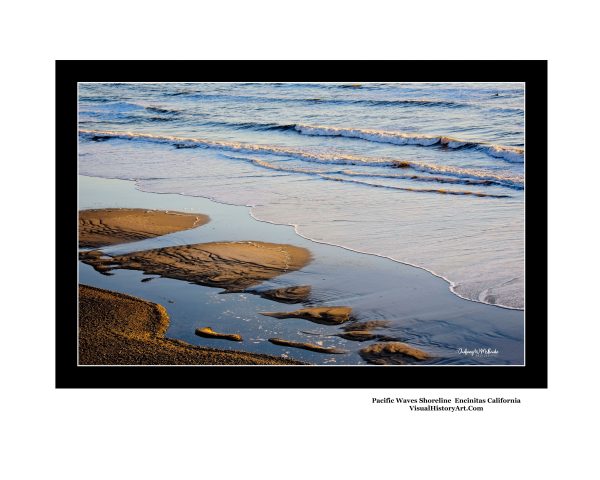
(233, 266)
(231, 283)
(124, 330)
(121, 329)
(117, 329)
(103, 227)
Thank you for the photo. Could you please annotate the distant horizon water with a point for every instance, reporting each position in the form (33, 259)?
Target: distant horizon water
(428, 174)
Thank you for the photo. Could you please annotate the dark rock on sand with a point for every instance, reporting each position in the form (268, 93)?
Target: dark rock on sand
(363, 336)
(297, 294)
(361, 331)
(358, 335)
(393, 353)
(322, 315)
(368, 325)
(401, 164)
(208, 332)
(95, 260)
(306, 346)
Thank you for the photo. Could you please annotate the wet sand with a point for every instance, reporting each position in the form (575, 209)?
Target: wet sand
(233, 266)
(363, 331)
(110, 226)
(118, 329)
(418, 308)
(297, 294)
(306, 346)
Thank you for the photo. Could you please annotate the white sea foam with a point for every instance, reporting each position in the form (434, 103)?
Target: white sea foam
(328, 175)
(501, 178)
(479, 253)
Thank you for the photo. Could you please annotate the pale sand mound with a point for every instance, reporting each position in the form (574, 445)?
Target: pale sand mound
(393, 353)
(233, 266)
(306, 346)
(323, 315)
(110, 226)
(208, 332)
(117, 329)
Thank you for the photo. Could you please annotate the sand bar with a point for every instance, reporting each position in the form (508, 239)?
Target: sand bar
(117, 329)
(110, 226)
(233, 266)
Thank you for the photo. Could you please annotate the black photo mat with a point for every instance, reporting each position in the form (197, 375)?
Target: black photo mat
(533, 73)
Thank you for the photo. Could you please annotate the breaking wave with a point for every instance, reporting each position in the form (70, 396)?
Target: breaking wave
(510, 154)
(498, 178)
(411, 189)
(507, 153)
(328, 175)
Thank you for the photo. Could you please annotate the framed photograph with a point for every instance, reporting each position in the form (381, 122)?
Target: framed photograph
(301, 224)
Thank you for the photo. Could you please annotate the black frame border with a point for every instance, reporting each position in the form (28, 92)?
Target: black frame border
(532, 375)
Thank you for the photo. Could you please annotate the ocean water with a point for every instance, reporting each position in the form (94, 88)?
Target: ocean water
(418, 307)
(427, 174)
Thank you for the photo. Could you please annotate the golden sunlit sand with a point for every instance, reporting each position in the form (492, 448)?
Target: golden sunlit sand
(233, 266)
(118, 329)
(208, 332)
(110, 226)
